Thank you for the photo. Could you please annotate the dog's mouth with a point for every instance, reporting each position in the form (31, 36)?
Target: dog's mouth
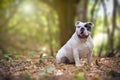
(82, 35)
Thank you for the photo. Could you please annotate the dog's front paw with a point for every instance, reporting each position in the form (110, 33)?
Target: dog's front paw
(89, 64)
(77, 65)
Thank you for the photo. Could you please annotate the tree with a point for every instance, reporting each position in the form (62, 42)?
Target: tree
(8, 10)
(111, 47)
(111, 32)
(66, 10)
(82, 8)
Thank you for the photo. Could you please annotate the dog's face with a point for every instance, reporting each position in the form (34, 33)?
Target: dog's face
(83, 29)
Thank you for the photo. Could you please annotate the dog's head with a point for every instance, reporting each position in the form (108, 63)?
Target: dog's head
(83, 29)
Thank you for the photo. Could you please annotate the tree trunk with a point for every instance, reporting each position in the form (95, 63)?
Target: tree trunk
(106, 23)
(93, 10)
(85, 8)
(110, 33)
(92, 16)
(50, 34)
(66, 13)
(66, 10)
(113, 26)
(82, 7)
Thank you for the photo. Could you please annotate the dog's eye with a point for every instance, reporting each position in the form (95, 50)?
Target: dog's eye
(78, 26)
(88, 27)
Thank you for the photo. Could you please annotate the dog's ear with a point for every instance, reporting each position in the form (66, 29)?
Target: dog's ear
(77, 22)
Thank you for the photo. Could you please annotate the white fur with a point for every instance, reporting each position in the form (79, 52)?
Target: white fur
(75, 48)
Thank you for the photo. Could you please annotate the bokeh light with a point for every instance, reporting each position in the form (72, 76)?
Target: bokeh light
(27, 8)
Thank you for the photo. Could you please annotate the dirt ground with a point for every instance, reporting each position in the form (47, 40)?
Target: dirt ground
(35, 68)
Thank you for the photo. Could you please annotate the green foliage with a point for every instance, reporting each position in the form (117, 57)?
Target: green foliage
(32, 52)
(27, 75)
(31, 27)
(47, 70)
(18, 56)
(7, 57)
(79, 76)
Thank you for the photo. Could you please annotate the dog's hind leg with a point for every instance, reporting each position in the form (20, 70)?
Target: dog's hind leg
(65, 60)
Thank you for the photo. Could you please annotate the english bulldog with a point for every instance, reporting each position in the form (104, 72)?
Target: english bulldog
(78, 46)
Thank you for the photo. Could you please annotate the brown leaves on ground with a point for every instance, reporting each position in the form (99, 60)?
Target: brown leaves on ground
(48, 69)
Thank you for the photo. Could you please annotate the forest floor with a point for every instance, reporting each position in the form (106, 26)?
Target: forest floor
(35, 68)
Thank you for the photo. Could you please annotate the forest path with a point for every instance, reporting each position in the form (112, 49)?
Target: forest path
(30, 68)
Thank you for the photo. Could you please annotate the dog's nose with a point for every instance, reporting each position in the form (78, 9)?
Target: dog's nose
(82, 29)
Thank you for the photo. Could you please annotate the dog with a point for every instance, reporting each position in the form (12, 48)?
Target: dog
(78, 46)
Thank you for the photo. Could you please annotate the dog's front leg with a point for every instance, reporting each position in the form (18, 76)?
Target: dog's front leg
(76, 58)
(89, 58)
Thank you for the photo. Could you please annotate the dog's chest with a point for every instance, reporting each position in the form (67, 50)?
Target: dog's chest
(85, 48)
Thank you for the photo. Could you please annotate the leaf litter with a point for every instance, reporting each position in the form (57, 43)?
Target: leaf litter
(29, 68)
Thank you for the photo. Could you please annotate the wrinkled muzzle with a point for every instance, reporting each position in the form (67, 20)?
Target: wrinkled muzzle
(82, 33)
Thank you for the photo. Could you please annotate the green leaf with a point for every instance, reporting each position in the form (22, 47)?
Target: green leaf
(18, 56)
(32, 52)
(27, 74)
(50, 69)
(43, 72)
(79, 76)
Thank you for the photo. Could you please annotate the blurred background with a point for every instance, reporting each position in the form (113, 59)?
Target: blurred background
(43, 26)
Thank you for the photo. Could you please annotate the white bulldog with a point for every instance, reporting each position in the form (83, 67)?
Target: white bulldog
(79, 45)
